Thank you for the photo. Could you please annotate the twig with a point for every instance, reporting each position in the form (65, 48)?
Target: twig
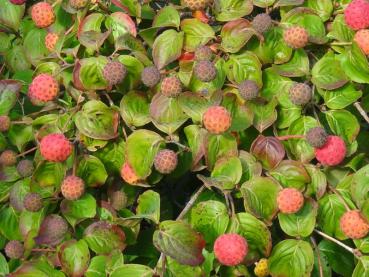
(290, 137)
(191, 202)
(43, 250)
(26, 152)
(318, 256)
(355, 252)
(361, 111)
(184, 147)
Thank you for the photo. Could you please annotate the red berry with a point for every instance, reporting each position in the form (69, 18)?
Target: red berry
(4, 123)
(217, 119)
(18, 2)
(14, 249)
(42, 14)
(354, 225)
(356, 14)
(50, 41)
(72, 187)
(290, 200)
(230, 249)
(55, 148)
(296, 37)
(43, 88)
(333, 151)
(362, 39)
(166, 161)
(128, 174)
(171, 86)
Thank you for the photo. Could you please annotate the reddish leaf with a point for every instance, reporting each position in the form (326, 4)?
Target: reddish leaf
(268, 150)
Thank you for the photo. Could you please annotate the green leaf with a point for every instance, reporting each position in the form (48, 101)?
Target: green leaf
(226, 10)
(292, 258)
(4, 268)
(90, 72)
(34, 42)
(324, 8)
(149, 206)
(260, 197)
(210, 218)
(9, 225)
(20, 136)
(30, 221)
(263, 3)
(177, 269)
(195, 138)
(97, 121)
(193, 105)
(196, 33)
(340, 30)
(291, 173)
(242, 116)
(328, 74)
(49, 174)
(235, 34)
(227, 171)
(74, 257)
(16, 59)
(362, 267)
(218, 146)
(121, 24)
(179, 241)
(302, 223)
(77, 210)
(344, 124)
(134, 68)
(10, 14)
(112, 156)
(134, 108)
(141, 149)
(250, 166)
(359, 186)
(37, 268)
(9, 90)
(167, 17)
(97, 267)
(318, 182)
(298, 66)
(264, 114)
(92, 171)
(340, 98)
(167, 48)
(132, 270)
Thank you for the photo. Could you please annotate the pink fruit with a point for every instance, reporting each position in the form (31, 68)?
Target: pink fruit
(230, 249)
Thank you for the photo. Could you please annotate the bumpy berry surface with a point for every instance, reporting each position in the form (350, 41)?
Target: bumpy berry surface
(197, 4)
(18, 2)
(118, 200)
(332, 153)
(217, 119)
(230, 249)
(14, 249)
(150, 76)
(171, 86)
(25, 168)
(248, 89)
(205, 71)
(300, 94)
(50, 41)
(316, 137)
(128, 174)
(43, 88)
(362, 39)
(55, 148)
(52, 230)
(354, 225)
(290, 200)
(32, 202)
(262, 22)
(296, 37)
(166, 161)
(261, 268)
(114, 72)
(203, 53)
(8, 158)
(42, 14)
(78, 4)
(356, 14)
(72, 187)
(4, 123)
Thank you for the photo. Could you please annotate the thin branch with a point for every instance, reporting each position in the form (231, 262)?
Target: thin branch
(43, 250)
(191, 202)
(321, 274)
(361, 111)
(26, 152)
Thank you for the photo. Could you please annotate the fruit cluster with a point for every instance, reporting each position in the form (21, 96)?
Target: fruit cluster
(184, 138)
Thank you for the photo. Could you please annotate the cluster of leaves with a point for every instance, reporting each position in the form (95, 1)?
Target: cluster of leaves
(223, 182)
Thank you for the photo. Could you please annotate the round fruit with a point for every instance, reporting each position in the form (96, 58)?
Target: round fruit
(248, 89)
(42, 14)
(217, 119)
(205, 71)
(43, 88)
(114, 72)
(296, 37)
(165, 161)
(150, 76)
(32, 202)
(14, 249)
(300, 94)
(128, 174)
(354, 225)
(316, 137)
(72, 187)
(230, 249)
(25, 168)
(262, 22)
(78, 4)
(203, 53)
(290, 200)
(50, 41)
(4, 123)
(356, 14)
(118, 200)
(332, 153)
(362, 39)
(8, 158)
(55, 148)
(171, 86)
(197, 4)
(261, 268)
